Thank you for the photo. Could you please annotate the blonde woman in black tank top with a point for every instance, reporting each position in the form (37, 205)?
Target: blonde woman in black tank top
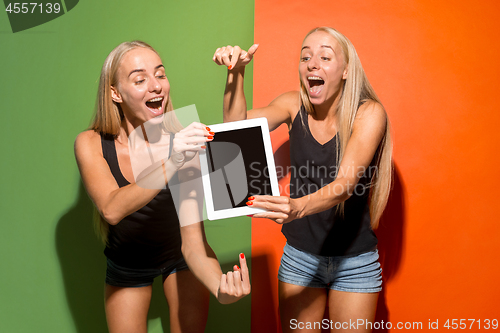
(139, 223)
(340, 152)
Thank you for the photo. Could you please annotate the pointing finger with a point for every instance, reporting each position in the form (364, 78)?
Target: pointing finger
(245, 278)
(252, 50)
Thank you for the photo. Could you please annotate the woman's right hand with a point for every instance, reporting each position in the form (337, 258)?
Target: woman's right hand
(233, 56)
(188, 142)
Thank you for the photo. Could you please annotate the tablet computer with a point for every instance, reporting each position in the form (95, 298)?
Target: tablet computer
(237, 164)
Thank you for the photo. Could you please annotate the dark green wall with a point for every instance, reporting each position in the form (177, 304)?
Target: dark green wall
(52, 266)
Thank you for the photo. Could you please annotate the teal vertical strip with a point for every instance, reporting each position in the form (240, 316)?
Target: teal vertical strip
(52, 264)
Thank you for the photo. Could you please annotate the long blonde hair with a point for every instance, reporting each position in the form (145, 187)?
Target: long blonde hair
(356, 91)
(108, 115)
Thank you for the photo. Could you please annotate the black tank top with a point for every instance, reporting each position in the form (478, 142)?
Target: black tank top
(327, 233)
(149, 237)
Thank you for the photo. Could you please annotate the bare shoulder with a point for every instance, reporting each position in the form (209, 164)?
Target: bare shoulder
(371, 109)
(371, 115)
(87, 142)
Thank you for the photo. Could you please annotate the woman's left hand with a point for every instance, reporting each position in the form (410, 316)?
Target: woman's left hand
(279, 209)
(235, 284)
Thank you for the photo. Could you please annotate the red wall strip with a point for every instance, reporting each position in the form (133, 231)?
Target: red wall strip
(435, 66)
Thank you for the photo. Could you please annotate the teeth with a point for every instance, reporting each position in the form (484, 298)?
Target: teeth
(156, 110)
(314, 78)
(157, 99)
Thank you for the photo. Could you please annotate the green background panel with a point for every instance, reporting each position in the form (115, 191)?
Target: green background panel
(52, 265)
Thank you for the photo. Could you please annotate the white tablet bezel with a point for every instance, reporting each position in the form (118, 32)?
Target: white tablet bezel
(268, 149)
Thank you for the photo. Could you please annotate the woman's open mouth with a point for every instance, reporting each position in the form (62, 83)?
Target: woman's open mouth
(316, 84)
(155, 105)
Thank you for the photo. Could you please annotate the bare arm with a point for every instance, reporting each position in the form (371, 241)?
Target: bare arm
(281, 110)
(200, 257)
(113, 202)
(235, 105)
(368, 131)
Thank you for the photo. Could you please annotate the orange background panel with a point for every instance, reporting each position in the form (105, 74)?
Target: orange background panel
(435, 66)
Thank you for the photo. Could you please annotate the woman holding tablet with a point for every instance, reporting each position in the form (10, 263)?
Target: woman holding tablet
(341, 168)
(140, 224)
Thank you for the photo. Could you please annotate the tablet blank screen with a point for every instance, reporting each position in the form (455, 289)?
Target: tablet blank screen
(237, 167)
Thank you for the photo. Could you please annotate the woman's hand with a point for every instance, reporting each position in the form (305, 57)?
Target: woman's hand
(188, 142)
(235, 284)
(233, 56)
(279, 209)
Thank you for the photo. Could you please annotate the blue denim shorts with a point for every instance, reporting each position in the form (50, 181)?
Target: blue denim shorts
(359, 273)
(120, 276)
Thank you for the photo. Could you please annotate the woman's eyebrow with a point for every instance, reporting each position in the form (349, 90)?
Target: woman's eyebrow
(136, 70)
(324, 46)
(143, 70)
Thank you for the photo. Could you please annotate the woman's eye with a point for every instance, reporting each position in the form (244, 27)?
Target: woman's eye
(161, 76)
(139, 81)
(304, 58)
(325, 58)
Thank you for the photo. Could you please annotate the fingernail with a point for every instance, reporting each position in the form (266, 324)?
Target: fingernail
(208, 128)
(211, 133)
(242, 256)
(230, 67)
(250, 215)
(251, 198)
(210, 138)
(249, 203)
(203, 147)
(236, 268)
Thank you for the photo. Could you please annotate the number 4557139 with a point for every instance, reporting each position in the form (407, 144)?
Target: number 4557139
(464, 324)
(33, 7)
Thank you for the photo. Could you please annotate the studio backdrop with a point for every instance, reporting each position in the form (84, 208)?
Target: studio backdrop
(433, 64)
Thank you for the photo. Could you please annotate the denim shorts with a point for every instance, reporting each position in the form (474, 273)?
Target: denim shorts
(120, 276)
(359, 273)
